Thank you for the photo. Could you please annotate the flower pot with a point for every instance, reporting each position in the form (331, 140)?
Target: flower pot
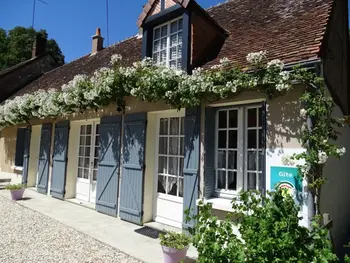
(17, 194)
(172, 255)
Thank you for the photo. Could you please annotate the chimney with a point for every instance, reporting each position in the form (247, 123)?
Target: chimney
(39, 46)
(97, 41)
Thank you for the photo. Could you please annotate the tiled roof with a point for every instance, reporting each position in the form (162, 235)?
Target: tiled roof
(291, 30)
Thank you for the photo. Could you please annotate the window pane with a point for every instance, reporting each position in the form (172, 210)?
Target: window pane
(163, 127)
(182, 126)
(87, 162)
(156, 58)
(86, 173)
(97, 152)
(173, 40)
(95, 175)
(88, 129)
(163, 43)
(82, 140)
(81, 162)
(261, 161)
(173, 27)
(156, 46)
(162, 165)
(95, 163)
(232, 180)
(88, 140)
(261, 139)
(82, 129)
(157, 33)
(81, 151)
(182, 146)
(97, 140)
(163, 145)
(179, 51)
(174, 126)
(173, 146)
(80, 173)
(260, 118)
(172, 64)
(181, 187)
(222, 119)
(232, 139)
(161, 184)
(172, 186)
(181, 166)
(164, 30)
(222, 139)
(162, 56)
(179, 63)
(87, 151)
(179, 37)
(222, 159)
(173, 166)
(251, 162)
(233, 118)
(251, 181)
(221, 179)
(252, 139)
(173, 53)
(232, 160)
(252, 121)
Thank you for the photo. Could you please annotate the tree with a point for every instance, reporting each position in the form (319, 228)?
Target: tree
(16, 46)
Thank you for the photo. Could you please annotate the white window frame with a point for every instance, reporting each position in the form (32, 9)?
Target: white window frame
(169, 115)
(168, 24)
(242, 149)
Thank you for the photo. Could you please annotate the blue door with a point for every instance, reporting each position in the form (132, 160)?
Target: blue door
(59, 165)
(27, 133)
(108, 165)
(44, 158)
(191, 163)
(131, 189)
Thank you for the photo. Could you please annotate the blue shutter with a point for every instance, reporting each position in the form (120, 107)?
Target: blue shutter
(191, 163)
(26, 148)
(19, 147)
(262, 186)
(209, 170)
(131, 189)
(44, 158)
(59, 165)
(108, 165)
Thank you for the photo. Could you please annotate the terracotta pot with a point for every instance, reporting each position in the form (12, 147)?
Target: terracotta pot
(172, 255)
(17, 194)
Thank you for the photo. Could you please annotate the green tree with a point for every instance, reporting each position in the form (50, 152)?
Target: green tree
(16, 46)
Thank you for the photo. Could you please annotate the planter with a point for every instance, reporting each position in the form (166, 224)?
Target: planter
(17, 194)
(172, 255)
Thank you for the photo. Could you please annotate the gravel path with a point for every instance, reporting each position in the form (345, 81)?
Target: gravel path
(27, 236)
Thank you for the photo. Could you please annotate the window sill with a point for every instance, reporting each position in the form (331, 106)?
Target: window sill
(219, 203)
(17, 168)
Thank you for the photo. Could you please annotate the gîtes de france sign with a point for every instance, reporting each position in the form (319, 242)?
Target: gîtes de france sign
(289, 179)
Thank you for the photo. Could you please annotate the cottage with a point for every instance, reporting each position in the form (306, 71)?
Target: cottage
(144, 161)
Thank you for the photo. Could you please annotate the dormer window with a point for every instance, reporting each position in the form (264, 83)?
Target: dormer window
(167, 44)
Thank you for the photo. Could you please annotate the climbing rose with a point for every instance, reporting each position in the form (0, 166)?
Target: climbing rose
(276, 63)
(303, 113)
(341, 151)
(322, 157)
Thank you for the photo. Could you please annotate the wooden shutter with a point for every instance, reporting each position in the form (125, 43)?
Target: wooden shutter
(209, 171)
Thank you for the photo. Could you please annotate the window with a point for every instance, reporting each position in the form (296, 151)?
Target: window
(239, 149)
(20, 141)
(167, 44)
(171, 156)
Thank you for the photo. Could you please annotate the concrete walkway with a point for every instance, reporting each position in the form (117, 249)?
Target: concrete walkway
(107, 229)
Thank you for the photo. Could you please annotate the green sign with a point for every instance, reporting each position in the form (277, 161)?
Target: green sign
(287, 178)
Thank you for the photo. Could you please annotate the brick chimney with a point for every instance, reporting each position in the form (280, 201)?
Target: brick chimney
(97, 41)
(39, 46)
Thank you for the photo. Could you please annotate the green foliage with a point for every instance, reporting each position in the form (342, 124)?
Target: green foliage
(268, 233)
(14, 186)
(179, 241)
(16, 46)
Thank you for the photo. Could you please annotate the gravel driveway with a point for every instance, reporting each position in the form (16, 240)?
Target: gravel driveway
(27, 236)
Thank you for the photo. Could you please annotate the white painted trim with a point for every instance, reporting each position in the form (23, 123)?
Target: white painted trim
(236, 103)
(17, 168)
(218, 203)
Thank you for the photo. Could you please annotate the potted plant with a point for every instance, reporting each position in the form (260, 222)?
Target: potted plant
(174, 246)
(16, 190)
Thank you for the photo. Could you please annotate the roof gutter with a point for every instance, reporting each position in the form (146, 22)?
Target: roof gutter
(303, 63)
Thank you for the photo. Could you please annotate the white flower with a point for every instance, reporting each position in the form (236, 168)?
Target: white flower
(303, 113)
(218, 66)
(341, 151)
(256, 58)
(232, 86)
(116, 58)
(225, 61)
(322, 157)
(197, 71)
(276, 63)
(305, 169)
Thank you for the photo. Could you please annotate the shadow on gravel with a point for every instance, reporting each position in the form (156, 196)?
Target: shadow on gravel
(25, 199)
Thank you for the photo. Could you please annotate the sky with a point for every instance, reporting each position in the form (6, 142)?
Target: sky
(72, 22)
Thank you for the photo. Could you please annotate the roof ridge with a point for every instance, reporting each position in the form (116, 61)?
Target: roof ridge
(217, 5)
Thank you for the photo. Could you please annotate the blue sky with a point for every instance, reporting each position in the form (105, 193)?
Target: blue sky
(72, 22)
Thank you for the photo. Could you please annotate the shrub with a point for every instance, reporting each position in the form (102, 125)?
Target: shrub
(269, 232)
(179, 241)
(14, 186)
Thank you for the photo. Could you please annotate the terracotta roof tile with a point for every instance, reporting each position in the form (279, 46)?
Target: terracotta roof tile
(289, 30)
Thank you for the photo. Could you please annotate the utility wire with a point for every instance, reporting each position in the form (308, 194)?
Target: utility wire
(34, 2)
